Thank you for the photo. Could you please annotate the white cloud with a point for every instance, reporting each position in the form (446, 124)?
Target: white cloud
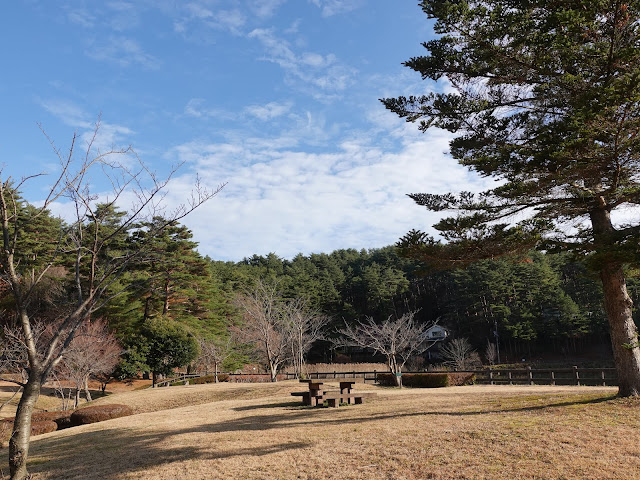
(70, 113)
(122, 51)
(265, 8)
(289, 201)
(322, 74)
(81, 17)
(335, 7)
(269, 111)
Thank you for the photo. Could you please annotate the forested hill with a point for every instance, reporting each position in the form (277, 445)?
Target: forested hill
(540, 303)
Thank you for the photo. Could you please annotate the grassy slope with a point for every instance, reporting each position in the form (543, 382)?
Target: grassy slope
(453, 433)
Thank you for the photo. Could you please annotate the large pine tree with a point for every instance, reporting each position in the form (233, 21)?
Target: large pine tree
(546, 99)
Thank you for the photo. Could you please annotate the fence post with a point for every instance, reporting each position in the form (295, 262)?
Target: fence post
(490, 376)
(375, 376)
(577, 375)
(553, 377)
(604, 384)
(510, 378)
(530, 374)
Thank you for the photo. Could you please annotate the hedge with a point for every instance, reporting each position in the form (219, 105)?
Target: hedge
(99, 413)
(222, 377)
(62, 418)
(429, 380)
(38, 427)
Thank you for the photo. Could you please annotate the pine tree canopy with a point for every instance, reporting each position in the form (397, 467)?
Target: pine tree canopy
(545, 98)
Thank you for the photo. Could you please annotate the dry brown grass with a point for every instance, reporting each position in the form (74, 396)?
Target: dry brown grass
(47, 400)
(478, 432)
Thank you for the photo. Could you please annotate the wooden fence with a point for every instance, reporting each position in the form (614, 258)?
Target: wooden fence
(489, 376)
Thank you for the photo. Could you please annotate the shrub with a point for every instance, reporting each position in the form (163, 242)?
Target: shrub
(5, 432)
(258, 378)
(62, 418)
(222, 377)
(429, 380)
(457, 379)
(43, 426)
(38, 427)
(99, 413)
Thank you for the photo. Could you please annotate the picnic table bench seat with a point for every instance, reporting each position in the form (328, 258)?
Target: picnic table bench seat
(316, 395)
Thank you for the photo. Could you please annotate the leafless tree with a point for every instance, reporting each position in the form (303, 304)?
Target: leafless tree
(264, 326)
(398, 340)
(459, 353)
(94, 352)
(213, 353)
(491, 353)
(305, 327)
(94, 273)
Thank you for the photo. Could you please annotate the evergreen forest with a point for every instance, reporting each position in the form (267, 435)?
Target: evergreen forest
(538, 306)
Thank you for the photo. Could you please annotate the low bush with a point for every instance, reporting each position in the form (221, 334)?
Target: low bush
(429, 380)
(99, 413)
(222, 377)
(258, 378)
(5, 432)
(43, 426)
(38, 427)
(62, 418)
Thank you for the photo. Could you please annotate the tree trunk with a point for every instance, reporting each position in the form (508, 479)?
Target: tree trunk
(19, 442)
(87, 393)
(618, 305)
(624, 333)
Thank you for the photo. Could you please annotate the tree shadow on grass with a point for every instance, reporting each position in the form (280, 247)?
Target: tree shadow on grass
(111, 454)
(288, 405)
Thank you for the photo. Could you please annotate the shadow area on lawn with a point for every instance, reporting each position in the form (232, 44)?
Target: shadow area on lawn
(111, 454)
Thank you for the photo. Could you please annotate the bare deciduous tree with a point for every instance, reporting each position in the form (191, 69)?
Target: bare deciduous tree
(491, 353)
(264, 326)
(459, 353)
(94, 272)
(305, 327)
(93, 352)
(213, 353)
(398, 340)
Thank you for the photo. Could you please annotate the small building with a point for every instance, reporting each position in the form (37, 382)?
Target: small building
(437, 332)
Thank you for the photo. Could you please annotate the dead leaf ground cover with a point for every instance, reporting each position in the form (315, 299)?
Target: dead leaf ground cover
(261, 432)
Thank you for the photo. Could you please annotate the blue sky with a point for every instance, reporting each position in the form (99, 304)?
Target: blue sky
(278, 98)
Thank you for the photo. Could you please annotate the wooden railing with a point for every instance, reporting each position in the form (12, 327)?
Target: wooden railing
(181, 378)
(515, 376)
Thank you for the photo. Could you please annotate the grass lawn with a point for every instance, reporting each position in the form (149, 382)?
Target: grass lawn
(258, 431)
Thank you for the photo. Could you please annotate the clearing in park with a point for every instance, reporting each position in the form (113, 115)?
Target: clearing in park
(258, 431)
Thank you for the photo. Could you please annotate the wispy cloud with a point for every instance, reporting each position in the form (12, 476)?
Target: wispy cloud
(108, 137)
(194, 14)
(82, 17)
(122, 51)
(325, 75)
(269, 111)
(265, 8)
(68, 112)
(335, 7)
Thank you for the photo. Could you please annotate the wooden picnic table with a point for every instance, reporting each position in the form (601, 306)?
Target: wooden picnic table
(316, 395)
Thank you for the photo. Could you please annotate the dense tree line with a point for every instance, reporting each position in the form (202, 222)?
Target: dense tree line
(533, 304)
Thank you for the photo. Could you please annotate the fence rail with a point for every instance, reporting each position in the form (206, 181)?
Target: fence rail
(491, 376)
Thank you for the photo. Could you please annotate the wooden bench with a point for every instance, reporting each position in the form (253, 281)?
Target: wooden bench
(333, 400)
